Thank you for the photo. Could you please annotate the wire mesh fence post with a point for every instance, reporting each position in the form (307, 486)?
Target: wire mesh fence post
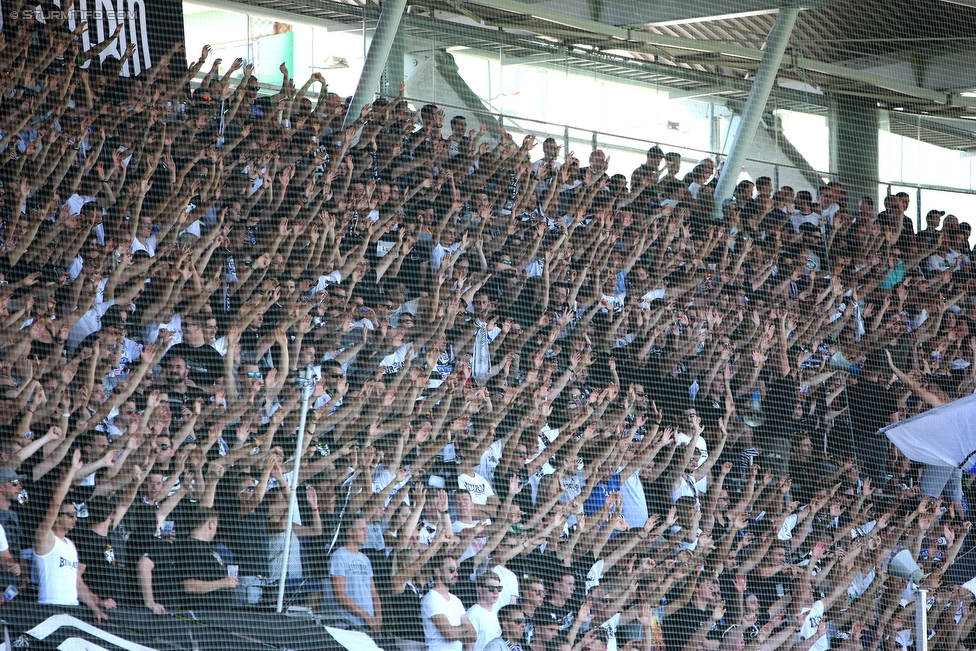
(306, 383)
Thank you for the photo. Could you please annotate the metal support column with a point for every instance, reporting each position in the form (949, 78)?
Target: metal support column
(755, 105)
(306, 382)
(921, 620)
(379, 52)
(393, 73)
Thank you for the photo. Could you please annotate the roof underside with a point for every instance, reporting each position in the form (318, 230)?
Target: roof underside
(915, 56)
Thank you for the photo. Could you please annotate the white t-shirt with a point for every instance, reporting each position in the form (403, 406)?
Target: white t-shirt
(490, 460)
(438, 253)
(691, 488)
(610, 626)
(90, 322)
(382, 477)
(149, 246)
(829, 212)
(476, 545)
(4, 545)
(798, 219)
(432, 604)
(393, 363)
(75, 203)
(635, 503)
(510, 587)
(325, 281)
(479, 488)
(486, 624)
(546, 436)
(814, 616)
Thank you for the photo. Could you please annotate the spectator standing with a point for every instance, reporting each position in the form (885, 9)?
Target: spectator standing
(446, 625)
(481, 615)
(512, 621)
(55, 556)
(206, 581)
(352, 579)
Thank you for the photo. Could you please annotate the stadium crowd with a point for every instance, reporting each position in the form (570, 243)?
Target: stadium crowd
(554, 408)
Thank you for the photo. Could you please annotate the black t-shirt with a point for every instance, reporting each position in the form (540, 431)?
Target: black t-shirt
(103, 569)
(204, 363)
(247, 538)
(164, 579)
(179, 400)
(769, 589)
(140, 520)
(679, 627)
(871, 406)
(199, 560)
(11, 527)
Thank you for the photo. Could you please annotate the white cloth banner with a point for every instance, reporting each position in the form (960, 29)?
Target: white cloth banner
(944, 436)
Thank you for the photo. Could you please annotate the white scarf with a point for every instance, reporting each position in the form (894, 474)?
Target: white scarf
(480, 356)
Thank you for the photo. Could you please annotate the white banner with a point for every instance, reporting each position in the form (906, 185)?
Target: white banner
(944, 436)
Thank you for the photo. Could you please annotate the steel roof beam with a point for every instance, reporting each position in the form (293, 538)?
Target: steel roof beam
(643, 37)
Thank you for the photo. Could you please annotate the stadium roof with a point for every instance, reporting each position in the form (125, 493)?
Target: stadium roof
(913, 57)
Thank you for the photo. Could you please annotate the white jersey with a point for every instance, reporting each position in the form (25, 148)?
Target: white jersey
(57, 574)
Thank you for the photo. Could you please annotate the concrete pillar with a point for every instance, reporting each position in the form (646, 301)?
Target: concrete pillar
(853, 124)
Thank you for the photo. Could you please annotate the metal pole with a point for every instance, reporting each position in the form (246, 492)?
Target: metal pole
(379, 52)
(306, 382)
(918, 209)
(752, 113)
(921, 621)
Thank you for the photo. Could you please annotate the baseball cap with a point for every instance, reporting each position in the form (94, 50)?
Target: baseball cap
(728, 203)
(8, 475)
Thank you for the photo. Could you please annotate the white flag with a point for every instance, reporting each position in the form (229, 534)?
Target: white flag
(944, 436)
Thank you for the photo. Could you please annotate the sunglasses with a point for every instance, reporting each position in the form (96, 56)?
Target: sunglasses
(493, 588)
(164, 446)
(254, 374)
(519, 621)
(70, 514)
